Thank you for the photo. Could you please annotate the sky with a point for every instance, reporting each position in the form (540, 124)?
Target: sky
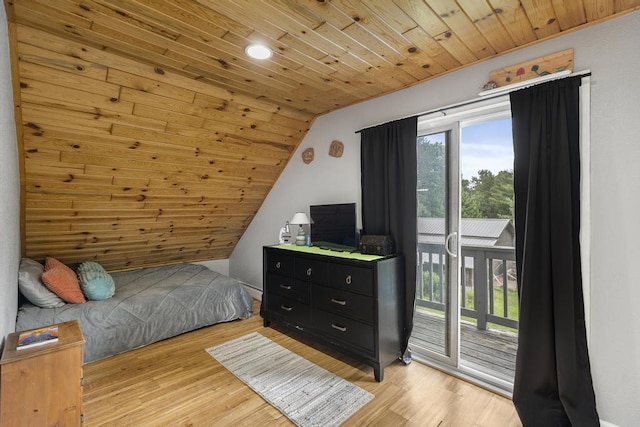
(484, 146)
(487, 146)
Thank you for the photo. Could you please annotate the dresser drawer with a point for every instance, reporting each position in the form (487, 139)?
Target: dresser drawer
(311, 270)
(289, 310)
(288, 287)
(348, 331)
(347, 304)
(279, 263)
(351, 278)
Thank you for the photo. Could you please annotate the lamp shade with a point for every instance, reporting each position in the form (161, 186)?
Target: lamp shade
(300, 218)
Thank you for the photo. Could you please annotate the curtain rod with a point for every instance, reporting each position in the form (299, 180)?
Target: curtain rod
(488, 96)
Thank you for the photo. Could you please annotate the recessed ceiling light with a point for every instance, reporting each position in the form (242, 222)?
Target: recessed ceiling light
(258, 51)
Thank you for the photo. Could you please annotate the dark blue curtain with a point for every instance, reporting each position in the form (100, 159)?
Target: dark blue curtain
(389, 174)
(553, 385)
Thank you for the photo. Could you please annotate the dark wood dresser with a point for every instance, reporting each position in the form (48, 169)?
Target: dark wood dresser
(350, 302)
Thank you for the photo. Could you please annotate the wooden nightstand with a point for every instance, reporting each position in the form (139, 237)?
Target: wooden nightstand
(42, 386)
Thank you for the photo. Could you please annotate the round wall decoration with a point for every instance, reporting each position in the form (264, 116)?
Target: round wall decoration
(307, 155)
(336, 148)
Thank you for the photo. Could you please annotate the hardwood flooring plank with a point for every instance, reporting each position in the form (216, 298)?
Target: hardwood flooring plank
(175, 382)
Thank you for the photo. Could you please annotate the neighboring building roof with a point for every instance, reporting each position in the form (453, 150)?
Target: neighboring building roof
(473, 231)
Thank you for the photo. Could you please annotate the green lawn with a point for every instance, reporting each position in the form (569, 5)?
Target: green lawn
(498, 301)
(512, 307)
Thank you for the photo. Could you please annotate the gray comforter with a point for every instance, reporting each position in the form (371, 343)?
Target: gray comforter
(149, 305)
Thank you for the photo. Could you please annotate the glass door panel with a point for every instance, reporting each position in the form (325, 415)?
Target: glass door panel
(435, 320)
(488, 288)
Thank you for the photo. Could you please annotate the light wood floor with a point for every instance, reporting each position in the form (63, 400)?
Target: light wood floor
(176, 383)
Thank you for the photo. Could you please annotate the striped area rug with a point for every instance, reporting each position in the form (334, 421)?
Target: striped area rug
(305, 393)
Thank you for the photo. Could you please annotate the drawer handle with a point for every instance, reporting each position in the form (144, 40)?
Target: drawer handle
(309, 271)
(338, 327)
(285, 308)
(338, 301)
(347, 279)
(278, 265)
(287, 287)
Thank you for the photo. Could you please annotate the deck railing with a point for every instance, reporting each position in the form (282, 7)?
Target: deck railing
(488, 272)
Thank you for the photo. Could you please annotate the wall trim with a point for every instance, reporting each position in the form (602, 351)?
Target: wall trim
(253, 291)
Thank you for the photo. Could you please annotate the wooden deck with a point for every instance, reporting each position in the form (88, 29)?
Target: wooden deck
(493, 352)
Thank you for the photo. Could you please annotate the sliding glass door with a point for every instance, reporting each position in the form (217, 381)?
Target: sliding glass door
(466, 293)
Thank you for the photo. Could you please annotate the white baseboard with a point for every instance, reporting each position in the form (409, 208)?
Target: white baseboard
(254, 292)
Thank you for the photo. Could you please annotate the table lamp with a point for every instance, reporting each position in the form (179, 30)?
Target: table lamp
(300, 218)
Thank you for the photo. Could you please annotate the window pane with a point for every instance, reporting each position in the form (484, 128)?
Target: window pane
(488, 291)
(431, 319)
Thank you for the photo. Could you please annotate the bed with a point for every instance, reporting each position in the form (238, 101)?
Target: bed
(148, 305)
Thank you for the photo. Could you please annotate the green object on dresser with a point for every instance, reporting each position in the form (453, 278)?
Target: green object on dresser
(328, 252)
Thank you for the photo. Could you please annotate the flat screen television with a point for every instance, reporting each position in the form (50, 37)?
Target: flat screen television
(334, 226)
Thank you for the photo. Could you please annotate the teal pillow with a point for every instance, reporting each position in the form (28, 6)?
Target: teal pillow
(95, 282)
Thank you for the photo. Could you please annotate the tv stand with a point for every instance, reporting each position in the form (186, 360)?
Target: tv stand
(328, 246)
(351, 302)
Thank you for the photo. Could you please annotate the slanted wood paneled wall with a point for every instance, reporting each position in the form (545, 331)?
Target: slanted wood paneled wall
(131, 165)
(151, 138)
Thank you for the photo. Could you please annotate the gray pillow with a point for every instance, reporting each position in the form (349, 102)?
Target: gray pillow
(31, 286)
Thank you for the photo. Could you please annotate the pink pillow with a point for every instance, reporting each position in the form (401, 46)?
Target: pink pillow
(62, 281)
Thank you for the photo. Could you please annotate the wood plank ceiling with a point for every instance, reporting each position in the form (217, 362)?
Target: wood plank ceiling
(149, 137)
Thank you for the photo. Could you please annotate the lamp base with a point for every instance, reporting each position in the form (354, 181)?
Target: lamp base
(301, 240)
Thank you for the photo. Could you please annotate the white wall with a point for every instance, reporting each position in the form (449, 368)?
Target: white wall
(610, 51)
(219, 265)
(9, 194)
(615, 219)
(325, 180)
